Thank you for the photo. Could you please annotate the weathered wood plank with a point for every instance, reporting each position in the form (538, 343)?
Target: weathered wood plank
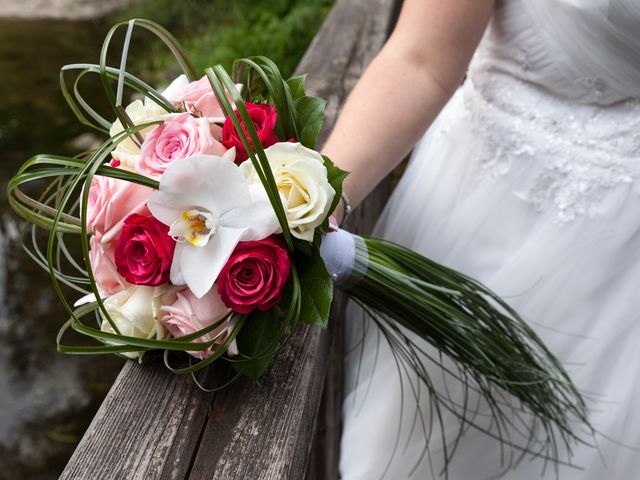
(154, 424)
(324, 456)
(143, 428)
(260, 431)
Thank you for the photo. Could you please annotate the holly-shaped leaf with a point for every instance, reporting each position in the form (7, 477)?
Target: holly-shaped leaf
(309, 118)
(296, 86)
(336, 177)
(316, 289)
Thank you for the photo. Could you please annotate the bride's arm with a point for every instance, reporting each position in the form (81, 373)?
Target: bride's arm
(404, 88)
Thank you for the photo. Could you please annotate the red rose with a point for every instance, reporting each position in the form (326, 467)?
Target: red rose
(254, 275)
(144, 251)
(264, 120)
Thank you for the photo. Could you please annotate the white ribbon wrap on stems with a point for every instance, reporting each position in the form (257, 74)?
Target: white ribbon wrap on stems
(345, 256)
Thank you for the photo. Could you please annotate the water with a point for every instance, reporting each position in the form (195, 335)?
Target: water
(46, 399)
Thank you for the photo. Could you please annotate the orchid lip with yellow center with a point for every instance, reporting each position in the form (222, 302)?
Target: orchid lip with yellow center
(194, 227)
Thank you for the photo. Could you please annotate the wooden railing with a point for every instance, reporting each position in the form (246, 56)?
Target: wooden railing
(157, 425)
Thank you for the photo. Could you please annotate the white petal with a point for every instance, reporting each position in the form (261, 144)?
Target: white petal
(259, 221)
(289, 151)
(213, 120)
(204, 181)
(177, 86)
(200, 266)
(160, 206)
(176, 274)
(230, 154)
(232, 351)
(88, 298)
(306, 235)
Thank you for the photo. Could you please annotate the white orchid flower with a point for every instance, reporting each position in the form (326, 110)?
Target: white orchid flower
(209, 207)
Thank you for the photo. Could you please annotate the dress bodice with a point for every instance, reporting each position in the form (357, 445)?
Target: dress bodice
(584, 50)
(551, 91)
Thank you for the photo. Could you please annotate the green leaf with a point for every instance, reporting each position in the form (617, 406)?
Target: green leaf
(318, 235)
(257, 342)
(309, 117)
(303, 246)
(336, 177)
(316, 289)
(296, 85)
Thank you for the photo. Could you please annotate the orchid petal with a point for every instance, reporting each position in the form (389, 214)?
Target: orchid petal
(205, 181)
(160, 206)
(176, 275)
(230, 154)
(259, 221)
(200, 266)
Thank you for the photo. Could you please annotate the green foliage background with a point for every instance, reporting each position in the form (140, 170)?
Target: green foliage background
(219, 31)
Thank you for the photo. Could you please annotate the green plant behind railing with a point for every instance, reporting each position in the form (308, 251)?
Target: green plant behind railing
(219, 31)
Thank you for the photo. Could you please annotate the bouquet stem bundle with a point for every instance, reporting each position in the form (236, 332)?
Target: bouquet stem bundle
(428, 313)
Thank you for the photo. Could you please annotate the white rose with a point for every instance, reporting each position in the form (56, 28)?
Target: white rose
(136, 313)
(139, 112)
(301, 178)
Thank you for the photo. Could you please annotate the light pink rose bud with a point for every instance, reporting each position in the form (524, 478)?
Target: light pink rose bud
(187, 314)
(198, 98)
(110, 202)
(179, 137)
(101, 257)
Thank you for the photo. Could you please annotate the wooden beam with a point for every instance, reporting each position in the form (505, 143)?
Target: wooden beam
(144, 428)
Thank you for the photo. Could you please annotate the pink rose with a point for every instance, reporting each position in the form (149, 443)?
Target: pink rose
(179, 137)
(110, 201)
(187, 314)
(264, 119)
(144, 251)
(254, 275)
(197, 98)
(101, 257)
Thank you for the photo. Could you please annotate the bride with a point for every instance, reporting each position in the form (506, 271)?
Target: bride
(527, 179)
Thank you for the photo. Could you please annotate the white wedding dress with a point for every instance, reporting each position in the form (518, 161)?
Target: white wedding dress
(529, 181)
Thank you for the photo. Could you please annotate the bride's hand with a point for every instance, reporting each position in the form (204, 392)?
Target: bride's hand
(404, 88)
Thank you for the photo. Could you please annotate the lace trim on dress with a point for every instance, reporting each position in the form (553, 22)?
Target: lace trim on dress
(577, 152)
(576, 190)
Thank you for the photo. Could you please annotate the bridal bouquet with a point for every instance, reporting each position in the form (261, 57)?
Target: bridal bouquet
(203, 227)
